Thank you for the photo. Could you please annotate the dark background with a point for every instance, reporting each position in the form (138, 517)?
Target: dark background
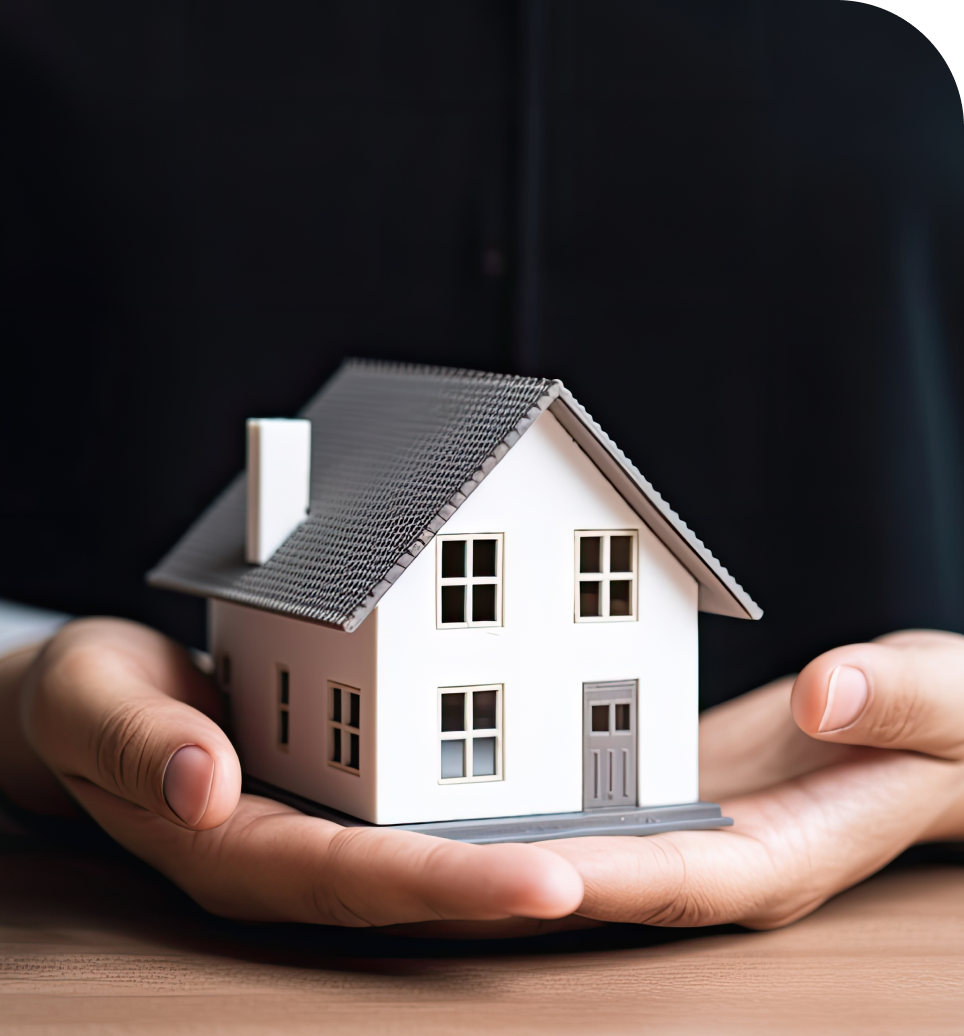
(733, 227)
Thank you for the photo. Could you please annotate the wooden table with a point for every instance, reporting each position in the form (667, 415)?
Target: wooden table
(95, 945)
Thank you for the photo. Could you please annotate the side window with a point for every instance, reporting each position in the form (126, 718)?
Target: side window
(344, 727)
(605, 581)
(469, 580)
(470, 732)
(224, 682)
(284, 705)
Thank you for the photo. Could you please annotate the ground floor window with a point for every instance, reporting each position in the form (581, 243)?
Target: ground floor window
(470, 731)
(344, 727)
(284, 706)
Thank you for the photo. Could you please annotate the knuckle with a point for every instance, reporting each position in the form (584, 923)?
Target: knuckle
(122, 748)
(325, 901)
(681, 901)
(895, 720)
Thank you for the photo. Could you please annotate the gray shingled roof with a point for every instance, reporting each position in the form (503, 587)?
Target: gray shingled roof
(395, 450)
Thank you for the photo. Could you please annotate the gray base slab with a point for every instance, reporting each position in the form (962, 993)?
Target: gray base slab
(691, 816)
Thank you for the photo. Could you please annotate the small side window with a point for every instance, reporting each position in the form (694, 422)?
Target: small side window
(284, 707)
(344, 727)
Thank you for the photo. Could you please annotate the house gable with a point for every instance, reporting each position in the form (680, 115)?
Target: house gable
(537, 498)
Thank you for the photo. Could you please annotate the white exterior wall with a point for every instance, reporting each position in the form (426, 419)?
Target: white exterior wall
(257, 643)
(538, 496)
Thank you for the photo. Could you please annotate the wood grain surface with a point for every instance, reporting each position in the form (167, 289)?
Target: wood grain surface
(102, 945)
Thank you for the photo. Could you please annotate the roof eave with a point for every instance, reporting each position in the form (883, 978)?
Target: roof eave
(719, 592)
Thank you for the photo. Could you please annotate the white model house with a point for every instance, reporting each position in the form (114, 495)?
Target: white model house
(460, 602)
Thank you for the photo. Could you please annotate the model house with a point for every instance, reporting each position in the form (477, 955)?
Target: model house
(446, 598)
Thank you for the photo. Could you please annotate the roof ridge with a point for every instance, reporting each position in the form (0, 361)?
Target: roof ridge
(433, 370)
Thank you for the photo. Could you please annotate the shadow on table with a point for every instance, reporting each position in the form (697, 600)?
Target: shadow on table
(88, 881)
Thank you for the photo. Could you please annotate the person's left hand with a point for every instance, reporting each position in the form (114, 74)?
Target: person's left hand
(872, 765)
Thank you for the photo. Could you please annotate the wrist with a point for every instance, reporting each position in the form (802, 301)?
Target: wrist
(24, 779)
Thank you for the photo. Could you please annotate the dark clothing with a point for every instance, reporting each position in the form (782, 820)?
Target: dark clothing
(734, 229)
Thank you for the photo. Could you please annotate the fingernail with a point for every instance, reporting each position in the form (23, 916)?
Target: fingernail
(187, 783)
(846, 698)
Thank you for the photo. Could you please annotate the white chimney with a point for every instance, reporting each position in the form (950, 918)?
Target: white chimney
(279, 474)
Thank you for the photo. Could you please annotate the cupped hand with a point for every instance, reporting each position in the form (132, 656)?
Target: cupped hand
(827, 778)
(121, 719)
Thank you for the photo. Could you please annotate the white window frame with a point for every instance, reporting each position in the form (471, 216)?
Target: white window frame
(468, 733)
(343, 725)
(468, 580)
(605, 576)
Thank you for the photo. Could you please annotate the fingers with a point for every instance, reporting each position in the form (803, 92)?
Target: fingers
(751, 743)
(905, 691)
(114, 703)
(271, 863)
(791, 848)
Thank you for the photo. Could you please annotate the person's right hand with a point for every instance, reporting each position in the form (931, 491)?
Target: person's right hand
(121, 719)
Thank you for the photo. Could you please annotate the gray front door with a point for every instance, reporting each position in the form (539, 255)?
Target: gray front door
(609, 744)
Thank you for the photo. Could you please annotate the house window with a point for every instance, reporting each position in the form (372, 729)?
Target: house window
(284, 705)
(225, 688)
(605, 576)
(470, 729)
(344, 727)
(469, 581)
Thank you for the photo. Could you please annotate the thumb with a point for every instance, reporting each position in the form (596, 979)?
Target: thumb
(904, 691)
(113, 703)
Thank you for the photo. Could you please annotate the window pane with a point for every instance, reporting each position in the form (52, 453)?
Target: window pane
(336, 745)
(354, 707)
(336, 704)
(483, 602)
(453, 559)
(621, 554)
(483, 557)
(283, 738)
(353, 751)
(589, 554)
(283, 685)
(600, 719)
(453, 604)
(588, 599)
(483, 710)
(453, 712)
(619, 597)
(453, 759)
(622, 716)
(483, 757)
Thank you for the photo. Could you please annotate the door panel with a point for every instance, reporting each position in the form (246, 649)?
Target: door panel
(609, 744)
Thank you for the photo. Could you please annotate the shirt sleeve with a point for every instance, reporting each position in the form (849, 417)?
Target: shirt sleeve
(22, 625)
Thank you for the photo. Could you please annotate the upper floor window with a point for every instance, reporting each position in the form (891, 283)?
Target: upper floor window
(469, 580)
(605, 575)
